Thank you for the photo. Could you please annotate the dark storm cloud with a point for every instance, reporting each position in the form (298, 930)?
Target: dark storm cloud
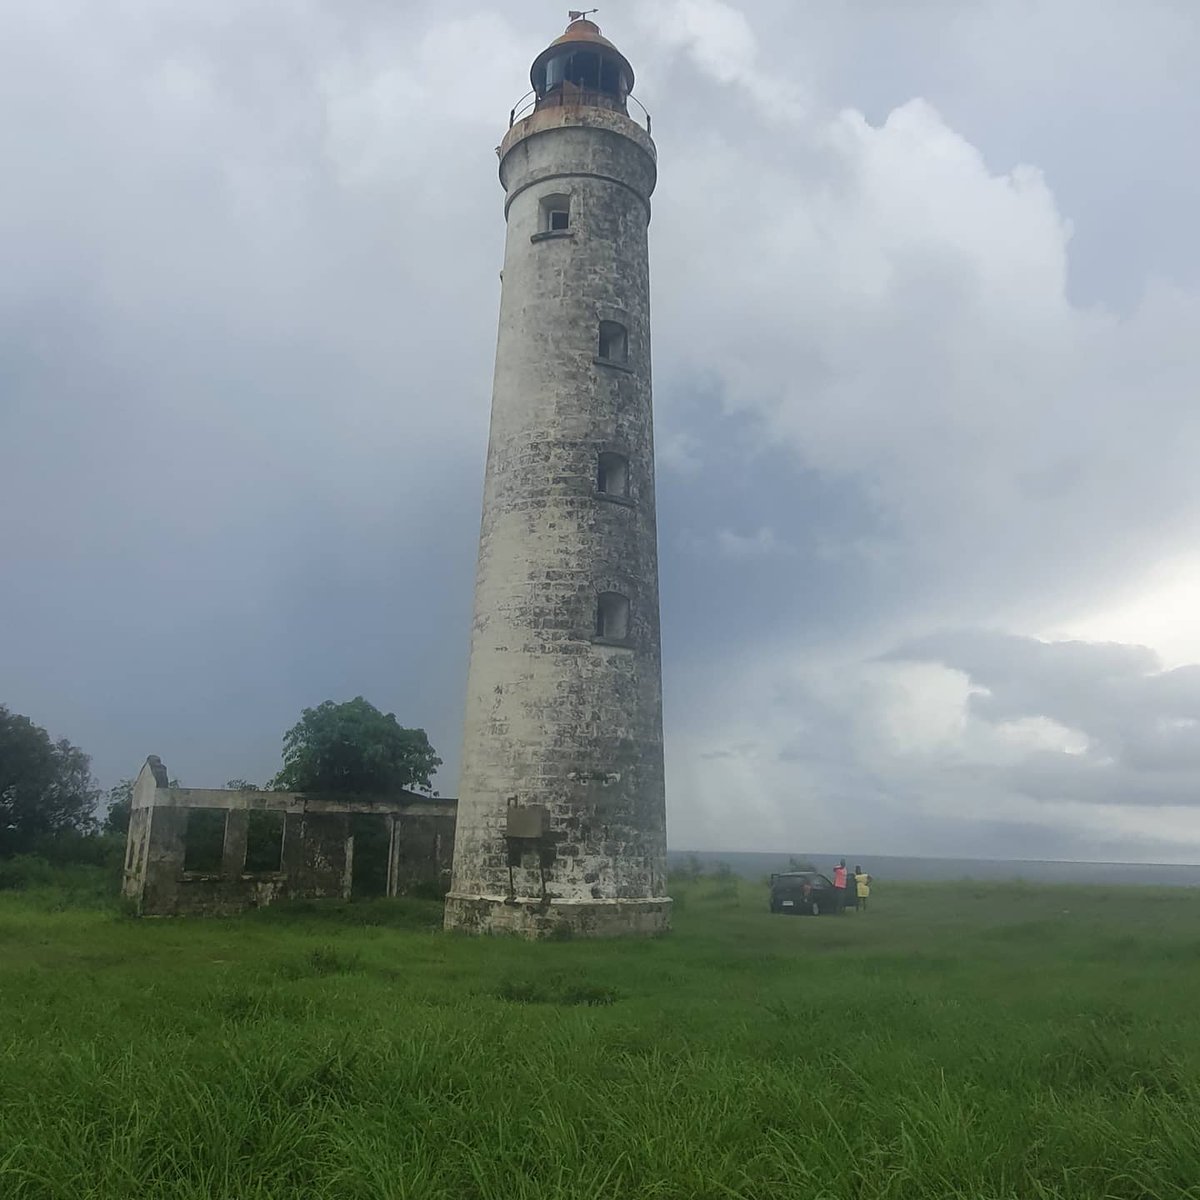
(246, 357)
(902, 384)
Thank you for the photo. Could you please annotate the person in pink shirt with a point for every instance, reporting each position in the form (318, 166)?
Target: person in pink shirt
(839, 885)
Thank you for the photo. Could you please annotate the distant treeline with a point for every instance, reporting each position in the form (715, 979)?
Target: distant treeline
(689, 867)
(50, 805)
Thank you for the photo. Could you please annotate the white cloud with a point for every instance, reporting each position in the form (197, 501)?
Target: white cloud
(720, 39)
(679, 452)
(967, 743)
(762, 542)
(379, 98)
(881, 302)
(895, 313)
(1161, 608)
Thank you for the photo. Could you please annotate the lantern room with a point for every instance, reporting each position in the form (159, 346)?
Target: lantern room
(582, 67)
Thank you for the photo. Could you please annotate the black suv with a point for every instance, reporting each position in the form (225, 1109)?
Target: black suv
(807, 892)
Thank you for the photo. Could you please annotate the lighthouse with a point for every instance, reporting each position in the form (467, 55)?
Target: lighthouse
(561, 818)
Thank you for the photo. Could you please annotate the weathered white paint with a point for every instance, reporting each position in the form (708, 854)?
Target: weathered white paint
(553, 717)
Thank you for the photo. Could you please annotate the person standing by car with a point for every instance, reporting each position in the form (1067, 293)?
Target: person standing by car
(862, 887)
(839, 885)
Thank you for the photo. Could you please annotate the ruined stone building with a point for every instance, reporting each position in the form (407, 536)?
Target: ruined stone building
(215, 851)
(561, 819)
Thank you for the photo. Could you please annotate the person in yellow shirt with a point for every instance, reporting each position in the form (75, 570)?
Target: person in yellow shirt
(862, 884)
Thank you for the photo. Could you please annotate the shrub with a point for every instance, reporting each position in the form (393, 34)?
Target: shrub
(322, 961)
(25, 871)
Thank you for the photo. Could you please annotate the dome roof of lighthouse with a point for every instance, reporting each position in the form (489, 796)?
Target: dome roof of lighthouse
(582, 33)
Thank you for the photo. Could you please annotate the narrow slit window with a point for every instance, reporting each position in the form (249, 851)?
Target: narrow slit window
(612, 616)
(612, 474)
(614, 342)
(554, 214)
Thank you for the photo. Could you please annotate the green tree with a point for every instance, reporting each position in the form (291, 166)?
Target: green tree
(46, 786)
(120, 804)
(353, 747)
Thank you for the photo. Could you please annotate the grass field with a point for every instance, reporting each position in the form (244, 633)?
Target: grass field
(955, 1041)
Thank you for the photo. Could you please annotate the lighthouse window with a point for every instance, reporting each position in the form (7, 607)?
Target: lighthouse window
(611, 76)
(612, 475)
(554, 214)
(584, 69)
(612, 616)
(581, 68)
(614, 342)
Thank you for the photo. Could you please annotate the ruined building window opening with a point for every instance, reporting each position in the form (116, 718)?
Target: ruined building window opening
(264, 841)
(204, 839)
(613, 342)
(554, 213)
(372, 848)
(612, 474)
(612, 616)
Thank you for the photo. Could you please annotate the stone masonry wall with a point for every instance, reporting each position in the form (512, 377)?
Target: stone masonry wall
(555, 717)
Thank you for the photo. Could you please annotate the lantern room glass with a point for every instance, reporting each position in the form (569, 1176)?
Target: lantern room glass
(586, 69)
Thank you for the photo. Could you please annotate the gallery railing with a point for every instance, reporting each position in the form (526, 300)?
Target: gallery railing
(568, 96)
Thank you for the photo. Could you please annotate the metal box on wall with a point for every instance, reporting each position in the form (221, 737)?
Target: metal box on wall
(527, 821)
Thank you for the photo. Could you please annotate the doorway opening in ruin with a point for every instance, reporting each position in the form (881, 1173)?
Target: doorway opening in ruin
(369, 870)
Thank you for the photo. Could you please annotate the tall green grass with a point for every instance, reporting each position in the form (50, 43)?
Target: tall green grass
(965, 1041)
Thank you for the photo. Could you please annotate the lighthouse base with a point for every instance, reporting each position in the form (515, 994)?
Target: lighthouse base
(558, 918)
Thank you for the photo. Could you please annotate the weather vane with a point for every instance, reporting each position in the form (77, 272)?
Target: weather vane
(579, 15)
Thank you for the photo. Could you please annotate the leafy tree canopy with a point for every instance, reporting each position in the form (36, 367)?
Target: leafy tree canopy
(353, 747)
(120, 803)
(46, 786)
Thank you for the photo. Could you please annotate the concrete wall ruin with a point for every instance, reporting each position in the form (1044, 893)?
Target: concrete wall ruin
(315, 845)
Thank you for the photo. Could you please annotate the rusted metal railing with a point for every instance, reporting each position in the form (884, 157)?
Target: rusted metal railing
(568, 96)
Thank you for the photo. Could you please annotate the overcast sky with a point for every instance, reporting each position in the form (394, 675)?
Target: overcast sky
(926, 290)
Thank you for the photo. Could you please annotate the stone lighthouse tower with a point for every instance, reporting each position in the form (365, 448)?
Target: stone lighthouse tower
(561, 819)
